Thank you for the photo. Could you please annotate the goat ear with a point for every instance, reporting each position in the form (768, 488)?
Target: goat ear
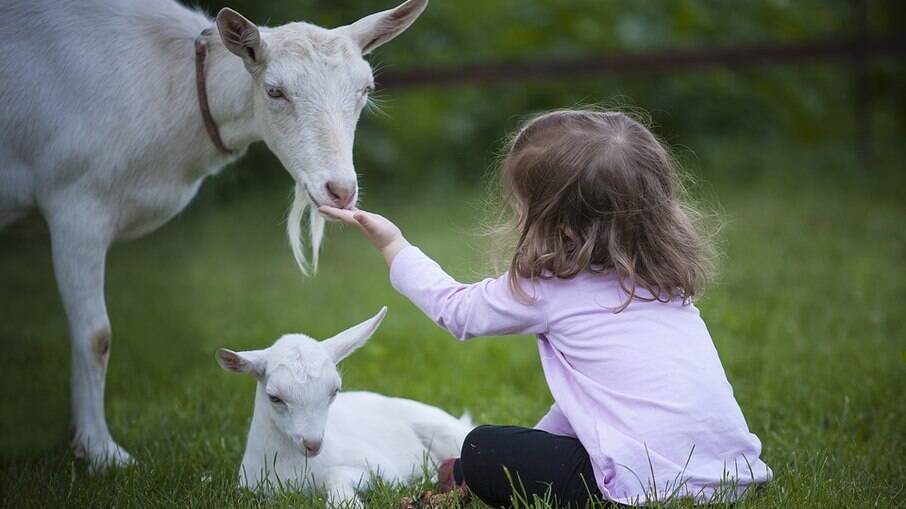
(241, 362)
(340, 346)
(373, 31)
(240, 36)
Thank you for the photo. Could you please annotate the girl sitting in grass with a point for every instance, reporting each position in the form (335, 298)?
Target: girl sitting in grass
(606, 266)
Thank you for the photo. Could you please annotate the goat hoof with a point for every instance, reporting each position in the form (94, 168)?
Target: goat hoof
(104, 456)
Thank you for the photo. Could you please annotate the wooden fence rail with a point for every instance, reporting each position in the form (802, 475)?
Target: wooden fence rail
(851, 48)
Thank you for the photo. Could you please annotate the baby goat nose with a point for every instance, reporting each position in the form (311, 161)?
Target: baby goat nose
(341, 194)
(312, 447)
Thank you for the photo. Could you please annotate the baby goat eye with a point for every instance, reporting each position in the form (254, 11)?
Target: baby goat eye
(275, 93)
(275, 400)
(368, 90)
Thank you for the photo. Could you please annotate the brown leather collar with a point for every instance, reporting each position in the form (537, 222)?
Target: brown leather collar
(201, 51)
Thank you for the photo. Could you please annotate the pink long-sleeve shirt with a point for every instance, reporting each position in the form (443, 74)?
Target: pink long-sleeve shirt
(643, 389)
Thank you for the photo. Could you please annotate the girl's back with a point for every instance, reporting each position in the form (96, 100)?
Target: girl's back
(647, 386)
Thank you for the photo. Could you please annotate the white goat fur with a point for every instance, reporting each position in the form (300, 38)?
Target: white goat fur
(101, 134)
(291, 441)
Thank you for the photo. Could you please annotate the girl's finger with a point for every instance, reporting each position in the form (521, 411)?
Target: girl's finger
(356, 218)
(328, 211)
(341, 214)
(364, 221)
(361, 228)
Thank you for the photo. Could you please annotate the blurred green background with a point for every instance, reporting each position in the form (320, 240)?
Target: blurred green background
(802, 162)
(437, 134)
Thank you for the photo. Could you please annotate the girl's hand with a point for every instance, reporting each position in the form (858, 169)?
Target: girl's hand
(383, 234)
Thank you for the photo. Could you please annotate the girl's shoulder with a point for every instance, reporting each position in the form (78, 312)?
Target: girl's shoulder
(602, 287)
(582, 285)
(586, 278)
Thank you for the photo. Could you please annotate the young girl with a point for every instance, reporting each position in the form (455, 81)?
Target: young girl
(604, 272)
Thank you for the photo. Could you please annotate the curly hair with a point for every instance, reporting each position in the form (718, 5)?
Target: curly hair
(596, 191)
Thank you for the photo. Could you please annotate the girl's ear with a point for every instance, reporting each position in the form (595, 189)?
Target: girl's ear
(340, 346)
(251, 362)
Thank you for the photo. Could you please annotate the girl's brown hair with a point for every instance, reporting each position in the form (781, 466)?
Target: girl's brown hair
(595, 191)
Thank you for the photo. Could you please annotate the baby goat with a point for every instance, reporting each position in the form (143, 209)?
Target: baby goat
(291, 441)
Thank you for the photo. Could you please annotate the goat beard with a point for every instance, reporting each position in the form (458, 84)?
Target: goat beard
(302, 204)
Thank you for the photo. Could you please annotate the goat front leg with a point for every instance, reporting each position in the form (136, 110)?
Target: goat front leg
(341, 485)
(79, 254)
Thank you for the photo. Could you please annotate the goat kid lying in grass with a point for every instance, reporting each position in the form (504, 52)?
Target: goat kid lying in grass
(292, 443)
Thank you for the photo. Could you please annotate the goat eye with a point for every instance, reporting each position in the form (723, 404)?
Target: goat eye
(275, 400)
(275, 93)
(368, 90)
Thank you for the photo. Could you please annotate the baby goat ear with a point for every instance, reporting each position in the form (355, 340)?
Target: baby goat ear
(376, 29)
(240, 36)
(241, 362)
(340, 346)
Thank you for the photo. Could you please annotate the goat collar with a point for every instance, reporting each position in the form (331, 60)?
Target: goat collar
(201, 51)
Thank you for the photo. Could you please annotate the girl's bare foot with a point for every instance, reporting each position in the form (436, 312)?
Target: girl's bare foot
(450, 494)
(430, 500)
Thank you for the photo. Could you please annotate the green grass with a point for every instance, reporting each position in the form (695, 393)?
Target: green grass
(807, 315)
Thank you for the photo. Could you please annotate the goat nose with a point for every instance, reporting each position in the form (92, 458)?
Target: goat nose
(341, 194)
(312, 447)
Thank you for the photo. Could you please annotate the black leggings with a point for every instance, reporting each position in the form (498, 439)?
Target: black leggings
(538, 463)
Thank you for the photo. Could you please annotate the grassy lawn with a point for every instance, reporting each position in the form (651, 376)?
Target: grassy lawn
(807, 315)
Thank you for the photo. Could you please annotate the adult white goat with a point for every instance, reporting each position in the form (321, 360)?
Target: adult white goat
(292, 442)
(108, 129)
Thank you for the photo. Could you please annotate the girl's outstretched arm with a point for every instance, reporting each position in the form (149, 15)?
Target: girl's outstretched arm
(486, 308)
